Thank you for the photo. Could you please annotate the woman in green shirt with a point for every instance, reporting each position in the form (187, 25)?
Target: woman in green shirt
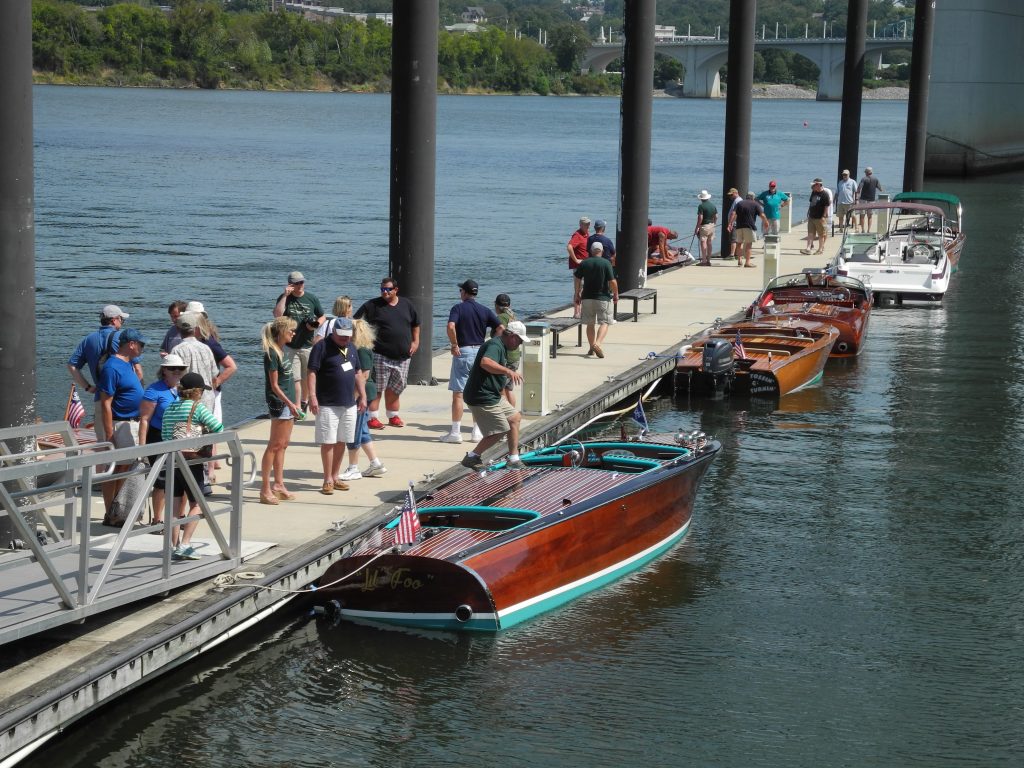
(279, 388)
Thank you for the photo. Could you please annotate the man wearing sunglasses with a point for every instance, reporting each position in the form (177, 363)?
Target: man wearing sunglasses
(305, 309)
(397, 325)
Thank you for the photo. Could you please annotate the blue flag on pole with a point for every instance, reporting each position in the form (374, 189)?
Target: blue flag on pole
(640, 417)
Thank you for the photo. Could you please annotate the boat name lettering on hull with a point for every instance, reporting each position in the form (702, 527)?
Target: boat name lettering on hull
(384, 578)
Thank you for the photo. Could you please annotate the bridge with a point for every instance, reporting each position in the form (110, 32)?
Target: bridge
(703, 59)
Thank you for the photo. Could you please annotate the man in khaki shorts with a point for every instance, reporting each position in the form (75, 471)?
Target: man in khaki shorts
(482, 394)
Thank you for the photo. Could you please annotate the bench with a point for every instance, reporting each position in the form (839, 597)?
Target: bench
(559, 324)
(638, 295)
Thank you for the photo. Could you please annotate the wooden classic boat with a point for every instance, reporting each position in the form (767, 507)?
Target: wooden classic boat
(768, 357)
(842, 302)
(912, 260)
(503, 545)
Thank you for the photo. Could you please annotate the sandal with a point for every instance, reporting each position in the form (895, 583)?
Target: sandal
(268, 499)
(284, 495)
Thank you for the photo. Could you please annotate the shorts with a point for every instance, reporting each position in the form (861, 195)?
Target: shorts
(335, 424)
(302, 355)
(154, 436)
(841, 210)
(816, 227)
(461, 366)
(279, 410)
(707, 230)
(597, 311)
(492, 419)
(362, 436)
(390, 374)
(773, 227)
(508, 379)
(181, 486)
(744, 235)
(126, 433)
(218, 414)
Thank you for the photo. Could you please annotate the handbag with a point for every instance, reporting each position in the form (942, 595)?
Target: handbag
(184, 430)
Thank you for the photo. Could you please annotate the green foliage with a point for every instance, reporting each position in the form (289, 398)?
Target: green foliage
(666, 71)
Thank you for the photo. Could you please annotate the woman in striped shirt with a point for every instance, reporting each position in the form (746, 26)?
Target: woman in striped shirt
(190, 390)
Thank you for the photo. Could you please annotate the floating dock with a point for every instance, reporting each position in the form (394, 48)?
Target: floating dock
(50, 680)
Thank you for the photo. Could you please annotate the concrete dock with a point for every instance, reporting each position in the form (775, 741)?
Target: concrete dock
(50, 680)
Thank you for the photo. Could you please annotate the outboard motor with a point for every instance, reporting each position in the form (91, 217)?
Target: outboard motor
(717, 362)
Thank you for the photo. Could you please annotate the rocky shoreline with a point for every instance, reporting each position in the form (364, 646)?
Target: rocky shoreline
(773, 91)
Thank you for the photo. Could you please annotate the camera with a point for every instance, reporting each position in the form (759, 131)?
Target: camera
(311, 322)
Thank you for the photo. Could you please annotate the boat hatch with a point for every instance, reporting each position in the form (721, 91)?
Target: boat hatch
(474, 517)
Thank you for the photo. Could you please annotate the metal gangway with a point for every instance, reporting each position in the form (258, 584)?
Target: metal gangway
(61, 566)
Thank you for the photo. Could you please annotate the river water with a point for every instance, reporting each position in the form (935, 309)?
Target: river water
(851, 589)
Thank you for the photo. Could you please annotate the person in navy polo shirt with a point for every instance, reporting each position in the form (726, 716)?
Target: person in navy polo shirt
(468, 322)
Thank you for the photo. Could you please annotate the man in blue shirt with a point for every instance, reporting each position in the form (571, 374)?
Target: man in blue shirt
(89, 352)
(605, 241)
(468, 322)
(120, 397)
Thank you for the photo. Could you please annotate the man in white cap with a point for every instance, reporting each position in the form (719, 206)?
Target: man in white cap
(596, 290)
(336, 396)
(305, 309)
(492, 413)
(94, 350)
(707, 218)
(867, 192)
(846, 195)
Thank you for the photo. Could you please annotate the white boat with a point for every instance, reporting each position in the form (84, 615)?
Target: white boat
(913, 259)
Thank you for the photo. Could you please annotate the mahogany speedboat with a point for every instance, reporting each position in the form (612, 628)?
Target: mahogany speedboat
(497, 547)
(768, 357)
(843, 302)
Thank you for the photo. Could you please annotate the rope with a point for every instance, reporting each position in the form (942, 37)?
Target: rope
(227, 579)
(608, 414)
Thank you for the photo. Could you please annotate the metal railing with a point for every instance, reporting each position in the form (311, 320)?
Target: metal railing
(38, 485)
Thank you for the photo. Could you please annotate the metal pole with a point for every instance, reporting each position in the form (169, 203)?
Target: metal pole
(736, 165)
(917, 108)
(17, 228)
(413, 165)
(635, 150)
(853, 86)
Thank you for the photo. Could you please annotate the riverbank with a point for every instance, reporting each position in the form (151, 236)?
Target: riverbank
(781, 91)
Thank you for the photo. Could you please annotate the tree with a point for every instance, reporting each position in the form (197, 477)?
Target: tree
(666, 70)
(568, 44)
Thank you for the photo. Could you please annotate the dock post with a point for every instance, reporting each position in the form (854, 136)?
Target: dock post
(853, 87)
(635, 110)
(736, 165)
(17, 227)
(413, 166)
(917, 107)
(772, 257)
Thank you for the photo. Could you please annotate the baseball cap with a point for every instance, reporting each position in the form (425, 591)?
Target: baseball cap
(772, 183)
(845, 173)
(704, 195)
(503, 300)
(470, 287)
(518, 328)
(596, 246)
(192, 380)
(817, 181)
(600, 224)
(342, 326)
(296, 277)
(584, 219)
(195, 306)
(732, 191)
(131, 334)
(112, 310)
(172, 361)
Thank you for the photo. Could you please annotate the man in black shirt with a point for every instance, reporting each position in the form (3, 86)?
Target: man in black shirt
(398, 337)
(743, 224)
(817, 212)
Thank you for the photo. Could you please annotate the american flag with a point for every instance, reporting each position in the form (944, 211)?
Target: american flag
(409, 521)
(640, 417)
(76, 411)
(738, 346)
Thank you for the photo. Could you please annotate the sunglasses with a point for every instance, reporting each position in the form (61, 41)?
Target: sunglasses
(387, 288)
(172, 369)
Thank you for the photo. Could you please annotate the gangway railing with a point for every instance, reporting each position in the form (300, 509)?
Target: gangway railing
(47, 495)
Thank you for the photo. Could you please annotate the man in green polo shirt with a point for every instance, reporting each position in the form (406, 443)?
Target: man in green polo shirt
(598, 289)
(482, 394)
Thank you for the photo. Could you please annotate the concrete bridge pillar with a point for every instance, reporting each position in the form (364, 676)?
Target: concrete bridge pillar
(976, 101)
(702, 80)
(830, 60)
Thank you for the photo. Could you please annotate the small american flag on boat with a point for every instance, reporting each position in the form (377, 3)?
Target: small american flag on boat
(738, 347)
(75, 411)
(408, 521)
(640, 417)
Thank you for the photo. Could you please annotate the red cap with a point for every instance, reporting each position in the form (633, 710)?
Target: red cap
(772, 183)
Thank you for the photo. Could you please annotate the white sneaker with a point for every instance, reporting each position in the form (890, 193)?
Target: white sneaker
(477, 435)
(451, 438)
(375, 470)
(352, 473)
